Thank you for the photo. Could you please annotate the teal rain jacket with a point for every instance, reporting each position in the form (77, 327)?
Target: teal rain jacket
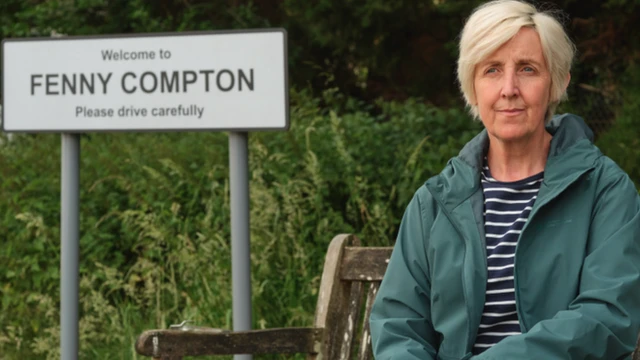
(577, 262)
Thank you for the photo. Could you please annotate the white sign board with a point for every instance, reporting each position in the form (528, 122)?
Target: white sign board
(234, 80)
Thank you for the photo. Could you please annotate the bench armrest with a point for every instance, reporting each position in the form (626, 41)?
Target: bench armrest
(206, 341)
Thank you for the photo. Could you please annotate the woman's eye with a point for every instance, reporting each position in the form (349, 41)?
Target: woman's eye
(528, 69)
(491, 70)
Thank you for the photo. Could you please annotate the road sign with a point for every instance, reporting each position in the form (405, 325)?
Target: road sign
(170, 82)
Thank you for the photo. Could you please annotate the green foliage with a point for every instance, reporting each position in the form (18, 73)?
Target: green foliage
(622, 141)
(155, 218)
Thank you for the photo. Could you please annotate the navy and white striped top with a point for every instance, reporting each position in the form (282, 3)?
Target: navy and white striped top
(507, 206)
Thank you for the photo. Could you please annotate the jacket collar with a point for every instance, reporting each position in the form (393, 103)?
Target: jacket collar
(571, 154)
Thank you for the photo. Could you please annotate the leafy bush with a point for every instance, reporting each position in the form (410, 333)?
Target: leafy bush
(622, 141)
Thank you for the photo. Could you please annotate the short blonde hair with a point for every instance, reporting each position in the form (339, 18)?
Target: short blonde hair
(493, 24)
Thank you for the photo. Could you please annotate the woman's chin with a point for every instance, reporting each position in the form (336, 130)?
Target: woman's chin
(511, 134)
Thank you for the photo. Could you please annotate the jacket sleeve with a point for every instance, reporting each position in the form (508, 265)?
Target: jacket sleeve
(602, 322)
(400, 319)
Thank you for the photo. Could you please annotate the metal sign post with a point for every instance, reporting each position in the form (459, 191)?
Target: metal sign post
(240, 250)
(192, 81)
(70, 246)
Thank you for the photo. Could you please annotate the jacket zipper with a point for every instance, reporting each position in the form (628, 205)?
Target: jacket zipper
(451, 219)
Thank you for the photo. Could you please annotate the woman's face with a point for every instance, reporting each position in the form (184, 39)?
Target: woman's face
(512, 88)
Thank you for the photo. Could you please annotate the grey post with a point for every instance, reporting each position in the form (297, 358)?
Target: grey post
(240, 254)
(70, 246)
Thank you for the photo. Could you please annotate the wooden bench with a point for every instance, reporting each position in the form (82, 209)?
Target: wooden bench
(350, 281)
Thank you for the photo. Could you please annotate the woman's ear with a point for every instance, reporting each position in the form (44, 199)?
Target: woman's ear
(566, 84)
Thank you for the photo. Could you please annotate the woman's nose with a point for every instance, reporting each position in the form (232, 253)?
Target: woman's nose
(510, 85)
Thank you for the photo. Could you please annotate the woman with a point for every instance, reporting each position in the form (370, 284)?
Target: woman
(527, 245)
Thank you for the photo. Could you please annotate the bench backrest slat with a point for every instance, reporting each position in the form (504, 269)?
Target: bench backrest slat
(364, 263)
(352, 317)
(365, 342)
(333, 301)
